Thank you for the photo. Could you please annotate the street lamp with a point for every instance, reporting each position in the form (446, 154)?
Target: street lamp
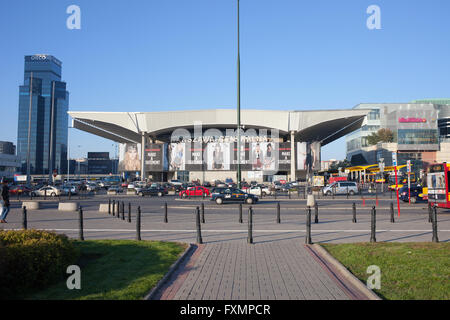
(238, 104)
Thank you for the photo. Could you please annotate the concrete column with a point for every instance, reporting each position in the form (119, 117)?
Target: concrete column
(143, 156)
(293, 176)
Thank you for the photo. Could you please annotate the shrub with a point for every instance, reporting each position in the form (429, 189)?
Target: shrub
(31, 259)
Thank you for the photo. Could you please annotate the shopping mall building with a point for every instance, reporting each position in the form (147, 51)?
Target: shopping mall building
(203, 144)
(421, 133)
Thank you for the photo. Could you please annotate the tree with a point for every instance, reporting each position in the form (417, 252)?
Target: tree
(382, 135)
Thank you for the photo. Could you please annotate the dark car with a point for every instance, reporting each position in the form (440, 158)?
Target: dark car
(416, 191)
(221, 195)
(152, 191)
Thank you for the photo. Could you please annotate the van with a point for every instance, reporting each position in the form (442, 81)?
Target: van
(341, 188)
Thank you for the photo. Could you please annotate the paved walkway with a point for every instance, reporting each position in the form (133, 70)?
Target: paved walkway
(235, 270)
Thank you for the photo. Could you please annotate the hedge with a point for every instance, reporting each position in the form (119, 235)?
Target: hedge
(32, 259)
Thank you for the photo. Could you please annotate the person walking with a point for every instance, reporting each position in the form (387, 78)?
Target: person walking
(5, 198)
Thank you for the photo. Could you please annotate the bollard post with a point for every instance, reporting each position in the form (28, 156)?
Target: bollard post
(138, 224)
(24, 218)
(70, 194)
(289, 191)
(80, 224)
(114, 208)
(123, 211)
(45, 194)
(109, 206)
(373, 225)
(250, 226)
(275, 193)
(197, 222)
(118, 209)
(347, 192)
(316, 213)
(129, 212)
(165, 213)
(203, 212)
(240, 212)
(430, 213)
(434, 225)
(392, 212)
(278, 212)
(354, 212)
(308, 226)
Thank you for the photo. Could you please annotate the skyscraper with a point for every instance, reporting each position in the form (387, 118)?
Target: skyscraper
(48, 104)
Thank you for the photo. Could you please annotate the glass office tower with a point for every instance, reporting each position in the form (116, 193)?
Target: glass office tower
(49, 101)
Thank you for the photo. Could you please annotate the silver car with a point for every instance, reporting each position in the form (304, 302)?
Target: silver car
(341, 187)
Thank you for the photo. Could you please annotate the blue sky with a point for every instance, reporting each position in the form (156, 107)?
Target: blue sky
(147, 55)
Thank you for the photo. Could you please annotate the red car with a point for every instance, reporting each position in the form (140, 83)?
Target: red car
(20, 190)
(197, 191)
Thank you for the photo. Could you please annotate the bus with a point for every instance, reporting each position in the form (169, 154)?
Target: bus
(438, 185)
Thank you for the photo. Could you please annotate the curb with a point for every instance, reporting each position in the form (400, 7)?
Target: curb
(345, 273)
(169, 273)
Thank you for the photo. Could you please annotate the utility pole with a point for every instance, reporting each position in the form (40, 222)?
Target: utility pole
(238, 104)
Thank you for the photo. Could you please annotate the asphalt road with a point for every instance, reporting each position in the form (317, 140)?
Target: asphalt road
(222, 221)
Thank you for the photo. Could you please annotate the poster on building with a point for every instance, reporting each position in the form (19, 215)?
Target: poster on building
(218, 156)
(318, 181)
(301, 155)
(264, 156)
(315, 155)
(154, 157)
(245, 156)
(177, 156)
(284, 156)
(194, 156)
(129, 157)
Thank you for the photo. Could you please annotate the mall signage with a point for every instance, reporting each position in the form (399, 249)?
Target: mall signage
(412, 120)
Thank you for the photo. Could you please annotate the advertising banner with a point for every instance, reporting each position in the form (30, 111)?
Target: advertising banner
(154, 157)
(218, 156)
(264, 156)
(301, 155)
(284, 156)
(194, 156)
(177, 156)
(129, 157)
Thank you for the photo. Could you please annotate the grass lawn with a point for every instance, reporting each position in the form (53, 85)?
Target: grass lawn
(408, 270)
(117, 269)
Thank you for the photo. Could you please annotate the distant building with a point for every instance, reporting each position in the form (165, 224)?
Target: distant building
(49, 102)
(100, 163)
(8, 160)
(421, 133)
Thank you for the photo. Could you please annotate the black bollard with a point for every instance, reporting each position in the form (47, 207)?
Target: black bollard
(347, 192)
(45, 194)
(354, 212)
(109, 206)
(434, 226)
(118, 209)
(392, 212)
(80, 224)
(165, 213)
(203, 212)
(278, 212)
(24, 218)
(289, 191)
(373, 225)
(123, 211)
(308, 226)
(138, 224)
(129, 212)
(197, 223)
(240, 212)
(430, 213)
(316, 213)
(70, 196)
(250, 226)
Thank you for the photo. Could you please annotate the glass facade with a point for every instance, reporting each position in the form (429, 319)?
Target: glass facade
(49, 100)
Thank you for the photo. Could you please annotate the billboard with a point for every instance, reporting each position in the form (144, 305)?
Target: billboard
(264, 156)
(218, 156)
(308, 155)
(301, 155)
(129, 157)
(154, 157)
(177, 156)
(284, 156)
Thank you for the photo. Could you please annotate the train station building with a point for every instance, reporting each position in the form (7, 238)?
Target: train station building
(203, 144)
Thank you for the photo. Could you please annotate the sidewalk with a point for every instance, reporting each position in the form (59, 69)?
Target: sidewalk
(275, 270)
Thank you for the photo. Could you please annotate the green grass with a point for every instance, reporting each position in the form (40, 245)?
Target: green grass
(409, 271)
(117, 269)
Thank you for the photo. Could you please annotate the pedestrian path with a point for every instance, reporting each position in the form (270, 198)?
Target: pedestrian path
(235, 270)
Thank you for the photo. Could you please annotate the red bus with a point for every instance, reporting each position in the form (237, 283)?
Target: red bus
(438, 185)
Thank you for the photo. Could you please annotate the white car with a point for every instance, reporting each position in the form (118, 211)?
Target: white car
(48, 191)
(259, 191)
(176, 182)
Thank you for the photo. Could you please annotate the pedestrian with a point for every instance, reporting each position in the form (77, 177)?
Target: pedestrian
(5, 198)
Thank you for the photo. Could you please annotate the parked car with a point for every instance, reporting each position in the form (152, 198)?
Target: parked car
(416, 194)
(70, 188)
(259, 190)
(194, 192)
(176, 182)
(14, 190)
(341, 188)
(206, 184)
(91, 186)
(116, 188)
(221, 195)
(49, 191)
(151, 191)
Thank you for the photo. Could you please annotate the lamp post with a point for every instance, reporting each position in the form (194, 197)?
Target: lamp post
(29, 130)
(238, 104)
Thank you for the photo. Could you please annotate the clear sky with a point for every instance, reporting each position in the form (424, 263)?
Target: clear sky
(148, 55)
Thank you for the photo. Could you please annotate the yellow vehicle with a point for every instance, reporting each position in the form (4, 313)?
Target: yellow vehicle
(402, 180)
